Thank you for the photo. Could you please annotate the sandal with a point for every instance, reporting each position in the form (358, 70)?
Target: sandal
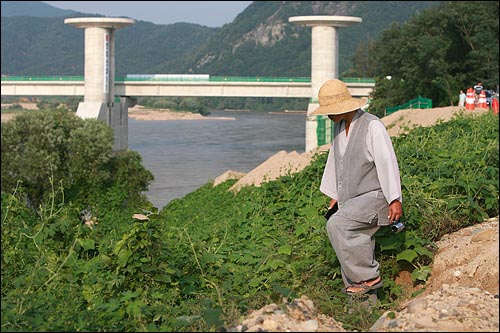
(363, 287)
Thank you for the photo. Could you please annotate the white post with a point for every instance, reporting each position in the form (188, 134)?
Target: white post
(99, 98)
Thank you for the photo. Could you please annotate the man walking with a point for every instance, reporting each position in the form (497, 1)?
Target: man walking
(362, 177)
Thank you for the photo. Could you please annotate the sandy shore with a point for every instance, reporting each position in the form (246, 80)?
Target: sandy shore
(139, 112)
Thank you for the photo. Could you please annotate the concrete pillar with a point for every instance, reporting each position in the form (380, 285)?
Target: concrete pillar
(324, 61)
(99, 98)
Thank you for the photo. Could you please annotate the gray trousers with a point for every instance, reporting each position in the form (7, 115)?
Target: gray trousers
(354, 245)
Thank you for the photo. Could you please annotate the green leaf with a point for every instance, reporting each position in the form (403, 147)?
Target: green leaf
(408, 255)
(276, 263)
(163, 278)
(212, 317)
(147, 268)
(300, 230)
(88, 244)
(421, 273)
(309, 212)
(123, 256)
(285, 249)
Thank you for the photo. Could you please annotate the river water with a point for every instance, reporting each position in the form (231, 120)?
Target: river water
(184, 155)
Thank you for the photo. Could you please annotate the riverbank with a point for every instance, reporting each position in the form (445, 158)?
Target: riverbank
(137, 112)
(140, 112)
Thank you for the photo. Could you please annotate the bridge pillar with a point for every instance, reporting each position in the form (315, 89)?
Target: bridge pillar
(99, 99)
(324, 61)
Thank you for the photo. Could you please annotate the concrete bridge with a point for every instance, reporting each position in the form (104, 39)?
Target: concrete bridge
(218, 86)
(107, 98)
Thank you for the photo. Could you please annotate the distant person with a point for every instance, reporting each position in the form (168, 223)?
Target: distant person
(361, 177)
(477, 91)
(461, 99)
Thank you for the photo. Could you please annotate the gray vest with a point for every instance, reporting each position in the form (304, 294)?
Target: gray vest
(359, 192)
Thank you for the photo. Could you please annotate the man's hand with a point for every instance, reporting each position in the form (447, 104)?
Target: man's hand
(332, 203)
(395, 211)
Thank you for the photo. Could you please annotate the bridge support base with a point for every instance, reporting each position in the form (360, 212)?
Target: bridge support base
(114, 115)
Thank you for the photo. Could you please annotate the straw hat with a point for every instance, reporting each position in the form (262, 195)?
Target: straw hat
(335, 98)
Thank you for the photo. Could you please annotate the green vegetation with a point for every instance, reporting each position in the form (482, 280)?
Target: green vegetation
(47, 46)
(191, 104)
(436, 54)
(47, 150)
(205, 259)
(199, 104)
(76, 258)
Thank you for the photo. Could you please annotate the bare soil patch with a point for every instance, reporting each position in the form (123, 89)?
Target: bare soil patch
(403, 120)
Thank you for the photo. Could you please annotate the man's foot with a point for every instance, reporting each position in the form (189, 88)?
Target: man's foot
(363, 287)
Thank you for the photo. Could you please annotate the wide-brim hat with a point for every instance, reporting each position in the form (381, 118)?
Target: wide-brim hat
(334, 98)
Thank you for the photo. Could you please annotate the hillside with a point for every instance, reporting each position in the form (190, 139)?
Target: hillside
(260, 41)
(50, 47)
(396, 124)
(461, 295)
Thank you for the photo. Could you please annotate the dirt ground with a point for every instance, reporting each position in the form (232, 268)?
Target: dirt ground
(399, 122)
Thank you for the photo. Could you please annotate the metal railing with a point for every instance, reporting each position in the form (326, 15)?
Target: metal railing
(43, 78)
(186, 78)
(324, 130)
(416, 103)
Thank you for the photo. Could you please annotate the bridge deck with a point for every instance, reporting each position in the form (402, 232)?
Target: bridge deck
(215, 86)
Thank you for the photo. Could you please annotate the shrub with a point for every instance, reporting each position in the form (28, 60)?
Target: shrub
(55, 148)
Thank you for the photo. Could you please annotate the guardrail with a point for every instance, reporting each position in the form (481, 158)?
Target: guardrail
(210, 79)
(416, 103)
(324, 131)
(43, 78)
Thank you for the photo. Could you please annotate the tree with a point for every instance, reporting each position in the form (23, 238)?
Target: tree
(436, 54)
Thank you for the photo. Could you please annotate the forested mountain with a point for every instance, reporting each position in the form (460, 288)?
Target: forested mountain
(32, 8)
(260, 41)
(48, 46)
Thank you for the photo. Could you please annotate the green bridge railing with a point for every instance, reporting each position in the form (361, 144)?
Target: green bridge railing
(416, 103)
(174, 79)
(148, 77)
(324, 131)
(43, 78)
(258, 79)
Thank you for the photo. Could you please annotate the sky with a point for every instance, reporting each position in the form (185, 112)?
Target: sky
(208, 13)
